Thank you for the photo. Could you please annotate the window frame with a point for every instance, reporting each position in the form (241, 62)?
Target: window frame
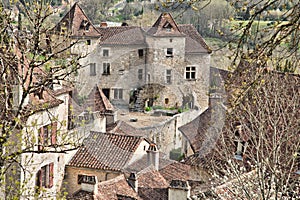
(168, 76)
(190, 72)
(45, 176)
(88, 179)
(47, 136)
(105, 52)
(170, 52)
(140, 53)
(140, 74)
(118, 93)
(93, 71)
(106, 68)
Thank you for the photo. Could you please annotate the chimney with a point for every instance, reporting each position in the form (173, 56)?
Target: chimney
(179, 190)
(153, 156)
(103, 25)
(133, 182)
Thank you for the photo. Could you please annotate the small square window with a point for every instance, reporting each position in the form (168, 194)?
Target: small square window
(169, 52)
(105, 53)
(88, 42)
(92, 69)
(190, 73)
(141, 52)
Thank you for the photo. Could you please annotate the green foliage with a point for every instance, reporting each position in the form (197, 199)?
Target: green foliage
(148, 108)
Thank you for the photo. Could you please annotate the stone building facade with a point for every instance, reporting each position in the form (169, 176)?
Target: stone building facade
(127, 59)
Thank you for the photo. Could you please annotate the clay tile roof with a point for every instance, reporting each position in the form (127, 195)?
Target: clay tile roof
(122, 35)
(123, 128)
(195, 131)
(97, 101)
(152, 185)
(105, 151)
(81, 195)
(194, 42)
(114, 188)
(165, 25)
(176, 170)
(78, 23)
(142, 163)
(42, 100)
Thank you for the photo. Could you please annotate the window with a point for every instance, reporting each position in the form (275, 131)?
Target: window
(239, 144)
(169, 52)
(168, 76)
(92, 69)
(141, 52)
(88, 42)
(86, 179)
(166, 101)
(105, 53)
(106, 68)
(140, 74)
(45, 176)
(298, 162)
(118, 93)
(106, 92)
(47, 136)
(85, 25)
(190, 73)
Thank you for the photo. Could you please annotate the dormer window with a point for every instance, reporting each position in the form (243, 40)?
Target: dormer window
(167, 27)
(85, 25)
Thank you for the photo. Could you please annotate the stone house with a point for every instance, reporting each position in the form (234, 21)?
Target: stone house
(102, 157)
(154, 177)
(164, 65)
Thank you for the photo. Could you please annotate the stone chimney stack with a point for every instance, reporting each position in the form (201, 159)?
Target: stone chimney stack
(179, 190)
(103, 24)
(153, 156)
(133, 182)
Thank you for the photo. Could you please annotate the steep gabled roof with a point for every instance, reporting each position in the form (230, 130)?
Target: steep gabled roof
(105, 151)
(194, 42)
(77, 23)
(97, 101)
(165, 25)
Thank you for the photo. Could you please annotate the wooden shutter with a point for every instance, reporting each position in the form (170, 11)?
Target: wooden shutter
(51, 174)
(39, 179)
(41, 139)
(53, 133)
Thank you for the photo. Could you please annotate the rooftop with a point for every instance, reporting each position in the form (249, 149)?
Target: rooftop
(143, 119)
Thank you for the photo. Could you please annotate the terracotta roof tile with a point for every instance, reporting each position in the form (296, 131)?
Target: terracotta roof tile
(105, 151)
(165, 25)
(176, 170)
(97, 101)
(152, 185)
(194, 42)
(142, 163)
(78, 23)
(114, 188)
(123, 35)
(123, 128)
(81, 195)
